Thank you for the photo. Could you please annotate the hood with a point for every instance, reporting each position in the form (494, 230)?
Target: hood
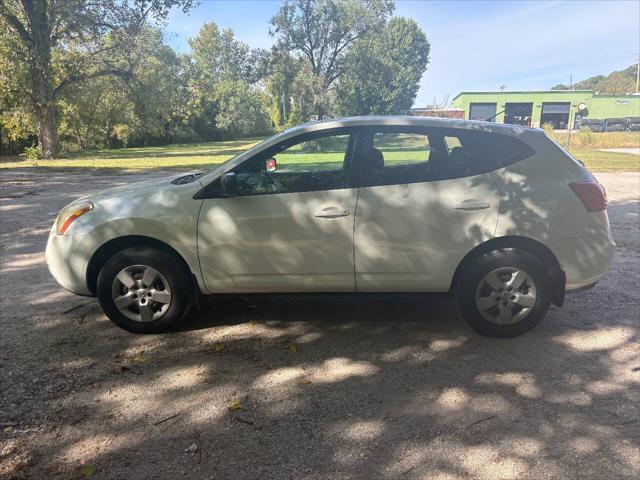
(150, 202)
(145, 186)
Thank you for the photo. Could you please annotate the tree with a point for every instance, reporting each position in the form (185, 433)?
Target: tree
(383, 70)
(110, 111)
(307, 97)
(241, 111)
(155, 73)
(323, 31)
(217, 57)
(279, 76)
(41, 26)
(616, 83)
(16, 119)
(89, 111)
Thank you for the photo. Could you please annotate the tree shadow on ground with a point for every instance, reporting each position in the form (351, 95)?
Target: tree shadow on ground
(336, 386)
(312, 386)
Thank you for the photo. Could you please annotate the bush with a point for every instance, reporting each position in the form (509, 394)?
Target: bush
(32, 153)
(122, 133)
(585, 136)
(548, 129)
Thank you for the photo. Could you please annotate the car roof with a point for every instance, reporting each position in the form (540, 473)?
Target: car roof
(404, 120)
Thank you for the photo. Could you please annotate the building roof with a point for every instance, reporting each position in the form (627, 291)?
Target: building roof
(520, 92)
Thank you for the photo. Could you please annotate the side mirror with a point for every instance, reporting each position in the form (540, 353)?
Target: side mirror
(229, 184)
(270, 165)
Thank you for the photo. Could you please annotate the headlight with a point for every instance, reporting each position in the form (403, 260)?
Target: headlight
(70, 214)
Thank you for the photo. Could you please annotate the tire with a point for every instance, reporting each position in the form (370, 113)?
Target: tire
(504, 265)
(161, 300)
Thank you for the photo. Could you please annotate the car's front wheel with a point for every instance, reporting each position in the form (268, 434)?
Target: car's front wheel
(504, 293)
(144, 290)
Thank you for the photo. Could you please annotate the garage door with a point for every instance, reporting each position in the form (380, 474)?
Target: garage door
(555, 108)
(482, 111)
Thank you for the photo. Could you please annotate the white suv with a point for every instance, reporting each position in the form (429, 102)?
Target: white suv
(499, 216)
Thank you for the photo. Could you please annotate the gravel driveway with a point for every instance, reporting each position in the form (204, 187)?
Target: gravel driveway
(310, 387)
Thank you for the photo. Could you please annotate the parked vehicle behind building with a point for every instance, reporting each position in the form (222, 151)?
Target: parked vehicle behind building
(500, 217)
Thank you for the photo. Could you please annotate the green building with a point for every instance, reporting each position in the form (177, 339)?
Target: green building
(561, 108)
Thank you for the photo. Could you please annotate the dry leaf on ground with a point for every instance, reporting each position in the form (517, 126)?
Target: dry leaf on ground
(291, 347)
(193, 448)
(141, 358)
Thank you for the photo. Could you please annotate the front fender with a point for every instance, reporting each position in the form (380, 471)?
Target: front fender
(181, 237)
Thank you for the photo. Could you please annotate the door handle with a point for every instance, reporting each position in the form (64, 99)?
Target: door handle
(331, 212)
(472, 205)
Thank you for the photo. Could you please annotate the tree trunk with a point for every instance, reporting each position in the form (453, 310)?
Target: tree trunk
(109, 132)
(39, 44)
(319, 112)
(47, 130)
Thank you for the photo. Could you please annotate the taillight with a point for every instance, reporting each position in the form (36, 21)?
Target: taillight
(591, 194)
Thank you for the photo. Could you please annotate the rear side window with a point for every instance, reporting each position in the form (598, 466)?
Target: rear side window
(395, 157)
(398, 155)
(473, 152)
(402, 148)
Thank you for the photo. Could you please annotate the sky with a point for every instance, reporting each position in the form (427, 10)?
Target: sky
(475, 45)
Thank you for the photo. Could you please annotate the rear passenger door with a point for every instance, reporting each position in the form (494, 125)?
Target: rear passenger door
(421, 208)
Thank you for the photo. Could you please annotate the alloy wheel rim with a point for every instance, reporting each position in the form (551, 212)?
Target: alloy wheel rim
(141, 293)
(506, 295)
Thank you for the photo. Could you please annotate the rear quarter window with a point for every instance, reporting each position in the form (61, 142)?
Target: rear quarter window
(473, 153)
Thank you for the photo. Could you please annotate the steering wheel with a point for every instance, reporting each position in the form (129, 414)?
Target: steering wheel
(274, 185)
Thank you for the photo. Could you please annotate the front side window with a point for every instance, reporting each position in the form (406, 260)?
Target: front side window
(307, 163)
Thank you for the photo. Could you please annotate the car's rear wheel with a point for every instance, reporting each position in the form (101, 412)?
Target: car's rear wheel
(144, 290)
(504, 293)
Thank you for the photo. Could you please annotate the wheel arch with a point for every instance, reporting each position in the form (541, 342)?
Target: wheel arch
(525, 244)
(111, 247)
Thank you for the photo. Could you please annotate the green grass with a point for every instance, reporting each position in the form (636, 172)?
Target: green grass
(200, 155)
(208, 155)
(595, 140)
(598, 161)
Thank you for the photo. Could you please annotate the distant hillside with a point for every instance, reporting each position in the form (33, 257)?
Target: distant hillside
(621, 81)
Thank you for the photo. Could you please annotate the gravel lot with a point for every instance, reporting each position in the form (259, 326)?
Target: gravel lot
(310, 387)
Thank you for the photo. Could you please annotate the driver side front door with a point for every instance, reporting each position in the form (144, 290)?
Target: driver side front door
(288, 229)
